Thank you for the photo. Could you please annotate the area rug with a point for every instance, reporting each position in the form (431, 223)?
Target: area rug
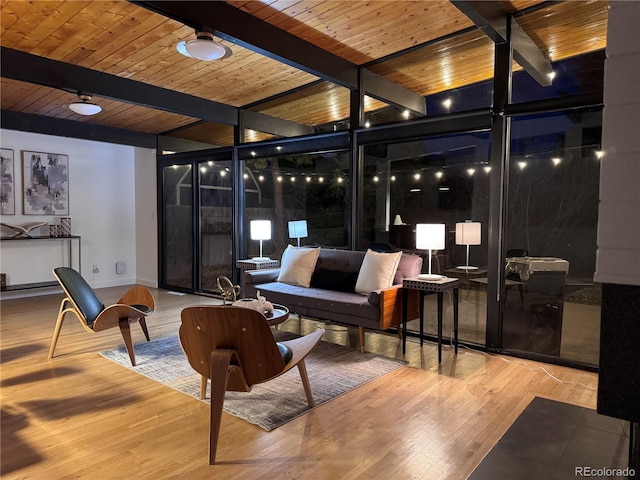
(553, 440)
(333, 371)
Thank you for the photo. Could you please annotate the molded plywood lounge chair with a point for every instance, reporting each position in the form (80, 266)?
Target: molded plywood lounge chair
(82, 301)
(235, 348)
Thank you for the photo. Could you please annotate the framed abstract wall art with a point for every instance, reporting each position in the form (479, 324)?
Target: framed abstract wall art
(8, 186)
(45, 183)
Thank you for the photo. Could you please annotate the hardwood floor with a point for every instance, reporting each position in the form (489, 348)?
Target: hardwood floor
(79, 415)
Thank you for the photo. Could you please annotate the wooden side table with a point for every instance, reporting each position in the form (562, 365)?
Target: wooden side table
(430, 286)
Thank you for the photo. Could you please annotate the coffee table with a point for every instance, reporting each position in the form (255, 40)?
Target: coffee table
(279, 315)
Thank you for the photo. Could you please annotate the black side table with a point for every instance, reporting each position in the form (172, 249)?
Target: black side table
(430, 286)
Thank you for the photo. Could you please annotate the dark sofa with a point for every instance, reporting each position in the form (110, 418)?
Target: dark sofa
(331, 295)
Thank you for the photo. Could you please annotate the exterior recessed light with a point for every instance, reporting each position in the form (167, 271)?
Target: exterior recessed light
(253, 153)
(367, 124)
(447, 103)
(278, 148)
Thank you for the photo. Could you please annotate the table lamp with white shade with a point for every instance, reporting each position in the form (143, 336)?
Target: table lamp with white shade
(260, 230)
(430, 236)
(298, 229)
(468, 233)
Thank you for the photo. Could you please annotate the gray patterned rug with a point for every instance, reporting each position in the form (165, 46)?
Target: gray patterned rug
(333, 371)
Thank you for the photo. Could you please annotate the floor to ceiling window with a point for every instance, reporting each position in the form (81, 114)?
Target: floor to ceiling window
(216, 222)
(439, 179)
(177, 226)
(552, 304)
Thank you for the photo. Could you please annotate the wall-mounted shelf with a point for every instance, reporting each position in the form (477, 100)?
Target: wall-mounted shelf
(70, 243)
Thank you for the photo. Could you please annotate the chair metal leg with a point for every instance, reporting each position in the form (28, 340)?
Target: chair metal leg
(143, 325)
(125, 330)
(220, 360)
(305, 383)
(56, 331)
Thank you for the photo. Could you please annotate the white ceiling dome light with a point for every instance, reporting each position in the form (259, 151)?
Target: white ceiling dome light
(204, 47)
(84, 105)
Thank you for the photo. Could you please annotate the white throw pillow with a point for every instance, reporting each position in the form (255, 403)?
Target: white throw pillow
(377, 271)
(297, 265)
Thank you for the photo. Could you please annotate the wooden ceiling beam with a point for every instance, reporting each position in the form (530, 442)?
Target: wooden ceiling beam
(30, 68)
(241, 28)
(38, 70)
(29, 122)
(500, 26)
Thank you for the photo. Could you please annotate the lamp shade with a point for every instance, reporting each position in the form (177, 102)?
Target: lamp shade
(430, 236)
(84, 106)
(204, 47)
(468, 233)
(298, 229)
(260, 229)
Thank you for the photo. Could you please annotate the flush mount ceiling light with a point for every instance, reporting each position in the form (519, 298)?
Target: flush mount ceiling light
(204, 47)
(84, 105)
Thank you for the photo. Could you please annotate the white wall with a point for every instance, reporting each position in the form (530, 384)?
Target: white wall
(618, 259)
(105, 207)
(146, 217)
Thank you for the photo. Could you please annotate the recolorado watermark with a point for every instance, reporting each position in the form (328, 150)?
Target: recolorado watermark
(604, 472)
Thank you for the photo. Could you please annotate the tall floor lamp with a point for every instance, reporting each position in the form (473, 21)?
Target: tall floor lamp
(430, 236)
(260, 230)
(468, 233)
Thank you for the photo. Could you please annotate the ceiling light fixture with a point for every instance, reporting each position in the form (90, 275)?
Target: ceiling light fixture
(84, 105)
(204, 47)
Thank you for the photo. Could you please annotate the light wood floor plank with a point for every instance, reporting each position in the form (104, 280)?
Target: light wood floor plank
(79, 415)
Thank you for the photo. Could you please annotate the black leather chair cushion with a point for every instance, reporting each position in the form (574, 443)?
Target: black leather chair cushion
(285, 352)
(81, 293)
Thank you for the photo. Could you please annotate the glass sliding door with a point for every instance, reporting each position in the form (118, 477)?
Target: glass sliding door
(177, 227)
(552, 305)
(439, 179)
(216, 227)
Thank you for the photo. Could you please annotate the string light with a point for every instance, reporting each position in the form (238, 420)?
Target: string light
(486, 169)
(261, 178)
(522, 165)
(245, 176)
(376, 179)
(471, 171)
(416, 176)
(556, 161)
(439, 174)
(308, 179)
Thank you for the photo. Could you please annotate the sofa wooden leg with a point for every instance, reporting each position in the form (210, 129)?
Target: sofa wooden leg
(361, 331)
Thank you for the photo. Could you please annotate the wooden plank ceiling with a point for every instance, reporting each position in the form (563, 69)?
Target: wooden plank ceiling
(443, 51)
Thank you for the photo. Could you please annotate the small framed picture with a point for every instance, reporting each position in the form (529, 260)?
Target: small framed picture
(8, 186)
(45, 183)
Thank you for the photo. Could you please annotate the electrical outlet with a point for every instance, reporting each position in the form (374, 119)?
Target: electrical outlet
(96, 269)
